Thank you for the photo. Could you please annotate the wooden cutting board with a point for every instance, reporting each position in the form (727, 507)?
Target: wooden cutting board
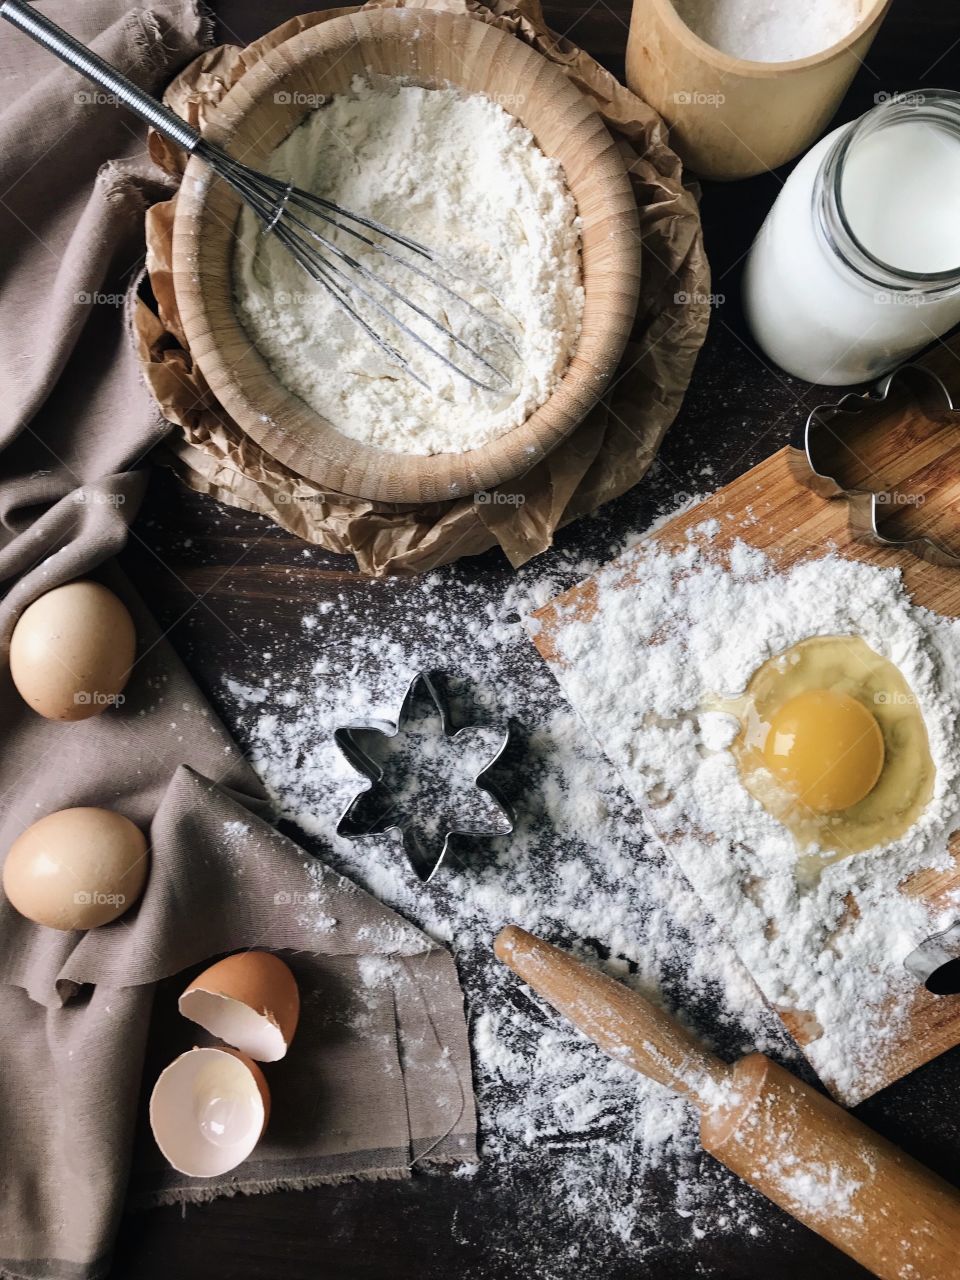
(917, 456)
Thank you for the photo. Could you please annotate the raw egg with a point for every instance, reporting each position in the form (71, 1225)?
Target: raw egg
(208, 1110)
(72, 650)
(825, 747)
(76, 869)
(250, 1000)
(832, 743)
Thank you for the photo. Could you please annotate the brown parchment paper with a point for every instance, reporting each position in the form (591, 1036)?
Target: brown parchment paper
(607, 453)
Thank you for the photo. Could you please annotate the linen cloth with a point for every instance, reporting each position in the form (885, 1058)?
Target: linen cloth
(378, 1075)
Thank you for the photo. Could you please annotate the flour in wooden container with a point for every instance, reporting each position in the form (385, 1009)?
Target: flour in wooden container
(770, 30)
(459, 174)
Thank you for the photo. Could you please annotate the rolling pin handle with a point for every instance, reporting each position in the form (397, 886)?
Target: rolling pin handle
(624, 1024)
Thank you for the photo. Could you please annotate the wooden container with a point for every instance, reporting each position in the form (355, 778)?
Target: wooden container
(730, 117)
(431, 49)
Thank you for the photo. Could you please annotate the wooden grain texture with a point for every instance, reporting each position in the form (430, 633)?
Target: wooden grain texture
(918, 458)
(820, 1164)
(622, 1022)
(431, 49)
(729, 117)
(230, 588)
(788, 1141)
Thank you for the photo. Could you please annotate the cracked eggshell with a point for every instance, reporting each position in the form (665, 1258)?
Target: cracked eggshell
(249, 1000)
(208, 1111)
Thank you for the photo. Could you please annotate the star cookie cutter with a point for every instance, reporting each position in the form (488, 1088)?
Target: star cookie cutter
(867, 506)
(393, 817)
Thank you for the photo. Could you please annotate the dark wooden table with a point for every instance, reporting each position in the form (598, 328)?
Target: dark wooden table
(214, 577)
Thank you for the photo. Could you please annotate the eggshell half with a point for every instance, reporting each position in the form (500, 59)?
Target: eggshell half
(76, 869)
(249, 1000)
(208, 1111)
(72, 650)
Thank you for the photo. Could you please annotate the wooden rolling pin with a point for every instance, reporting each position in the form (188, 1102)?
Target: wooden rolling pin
(801, 1150)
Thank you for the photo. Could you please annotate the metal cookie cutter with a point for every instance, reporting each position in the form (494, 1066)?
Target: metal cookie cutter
(387, 810)
(867, 506)
(937, 962)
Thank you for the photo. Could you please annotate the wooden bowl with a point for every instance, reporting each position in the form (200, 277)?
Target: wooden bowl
(430, 49)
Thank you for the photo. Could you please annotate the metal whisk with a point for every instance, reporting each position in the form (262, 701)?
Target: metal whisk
(284, 210)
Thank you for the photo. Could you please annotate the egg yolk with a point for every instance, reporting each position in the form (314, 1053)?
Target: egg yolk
(826, 748)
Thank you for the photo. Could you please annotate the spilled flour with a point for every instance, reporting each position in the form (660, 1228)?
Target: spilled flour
(459, 174)
(618, 1153)
(618, 1156)
(672, 631)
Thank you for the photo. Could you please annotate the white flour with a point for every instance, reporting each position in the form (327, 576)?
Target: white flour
(620, 1154)
(459, 174)
(817, 1189)
(691, 628)
(770, 30)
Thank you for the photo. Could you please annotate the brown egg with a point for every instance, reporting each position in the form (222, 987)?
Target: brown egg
(76, 869)
(72, 650)
(250, 1000)
(208, 1110)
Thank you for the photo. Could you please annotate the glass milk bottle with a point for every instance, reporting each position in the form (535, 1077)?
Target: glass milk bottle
(857, 265)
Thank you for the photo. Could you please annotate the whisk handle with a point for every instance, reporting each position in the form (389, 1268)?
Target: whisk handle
(74, 54)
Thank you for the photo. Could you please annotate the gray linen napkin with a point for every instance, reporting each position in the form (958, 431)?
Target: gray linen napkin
(379, 1073)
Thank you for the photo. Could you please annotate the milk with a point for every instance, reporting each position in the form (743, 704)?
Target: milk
(817, 303)
(914, 225)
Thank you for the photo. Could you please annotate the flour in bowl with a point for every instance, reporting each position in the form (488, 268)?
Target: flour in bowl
(455, 172)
